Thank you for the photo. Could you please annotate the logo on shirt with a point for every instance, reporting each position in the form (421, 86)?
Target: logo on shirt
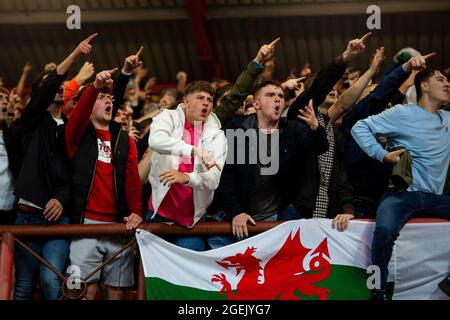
(104, 151)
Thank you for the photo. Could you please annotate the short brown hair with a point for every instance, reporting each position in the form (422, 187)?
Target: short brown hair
(104, 89)
(422, 76)
(264, 84)
(199, 86)
(4, 90)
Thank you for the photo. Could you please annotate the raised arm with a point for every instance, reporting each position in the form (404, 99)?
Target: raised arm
(131, 62)
(83, 48)
(376, 101)
(44, 95)
(79, 118)
(349, 97)
(23, 78)
(328, 76)
(182, 81)
(244, 83)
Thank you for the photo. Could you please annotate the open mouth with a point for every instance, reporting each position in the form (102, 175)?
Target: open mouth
(4, 109)
(277, 109)
(108, 109)
(204, 112)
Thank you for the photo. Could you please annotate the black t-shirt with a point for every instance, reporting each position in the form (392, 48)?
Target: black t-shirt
(266, 198)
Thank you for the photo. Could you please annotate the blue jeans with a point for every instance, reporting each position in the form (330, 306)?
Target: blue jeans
(195, 243)
(395, 209)
(55, 251)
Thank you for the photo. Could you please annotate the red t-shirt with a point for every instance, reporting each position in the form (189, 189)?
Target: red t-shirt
(178, 204)
(101, 204)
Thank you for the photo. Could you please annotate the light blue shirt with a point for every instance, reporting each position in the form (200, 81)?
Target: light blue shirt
(424, 134)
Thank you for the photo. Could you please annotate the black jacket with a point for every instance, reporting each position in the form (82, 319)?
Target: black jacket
(83, 168)
(322, 84)
(340, 191)
(84, 162)
(44, 173)
(238, 180)
(306, 194)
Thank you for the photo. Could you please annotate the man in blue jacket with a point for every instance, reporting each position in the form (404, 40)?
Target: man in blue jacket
(422, 129)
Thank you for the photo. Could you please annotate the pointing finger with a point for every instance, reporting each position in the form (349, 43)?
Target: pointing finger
(112, 71)
(92, 36)
(275, 42)
(366, 36)
(140, 51)
(429, 55)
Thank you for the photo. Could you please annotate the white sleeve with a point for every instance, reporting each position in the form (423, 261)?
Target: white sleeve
(161, 137)
(210, 179)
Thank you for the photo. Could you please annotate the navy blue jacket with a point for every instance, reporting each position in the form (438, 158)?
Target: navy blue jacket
(238, 180)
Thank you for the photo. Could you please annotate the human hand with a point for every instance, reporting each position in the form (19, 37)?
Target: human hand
(293, 84)
(267, 51)
(309, 116)
(133, 61)
(86, 71)
(26, 68)
(377, 59)
(239, 224)
(84, 47)
(132, 221)
(393, 157)
(207, 158)
(417, 63)
(181, 76)
(172, 176)
(355, 47)
(53, 210)
(103, 78)
(134, 133)
(341, 221)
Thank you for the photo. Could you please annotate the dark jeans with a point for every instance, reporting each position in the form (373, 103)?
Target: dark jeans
(55, 251)
(395, 209)
(8, 217)
(364, 208)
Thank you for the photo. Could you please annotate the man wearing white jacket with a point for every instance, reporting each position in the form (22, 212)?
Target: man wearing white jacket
(189, 152)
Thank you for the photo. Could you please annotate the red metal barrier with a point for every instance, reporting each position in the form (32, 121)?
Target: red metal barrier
(9, 233)
(6, 265)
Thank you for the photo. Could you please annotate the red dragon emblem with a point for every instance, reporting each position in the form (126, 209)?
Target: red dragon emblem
(283, 273)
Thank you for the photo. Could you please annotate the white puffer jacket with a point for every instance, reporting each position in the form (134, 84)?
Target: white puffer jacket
(166, 139)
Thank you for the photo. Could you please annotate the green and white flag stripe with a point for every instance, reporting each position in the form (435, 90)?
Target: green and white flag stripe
(172, 272)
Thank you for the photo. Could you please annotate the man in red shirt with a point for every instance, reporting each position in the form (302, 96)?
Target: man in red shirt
(105, 184)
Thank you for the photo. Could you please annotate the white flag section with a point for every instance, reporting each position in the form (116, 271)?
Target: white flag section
(421, 259)
(301, 259)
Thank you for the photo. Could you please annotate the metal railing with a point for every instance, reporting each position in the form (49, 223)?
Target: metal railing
(11, 234)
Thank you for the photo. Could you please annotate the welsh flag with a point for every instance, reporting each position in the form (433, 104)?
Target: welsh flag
(298, 260)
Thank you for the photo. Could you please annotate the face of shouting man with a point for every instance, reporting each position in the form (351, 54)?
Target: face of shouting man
(269, 103)
(4, 100)
(198, 106)
(102, 110)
